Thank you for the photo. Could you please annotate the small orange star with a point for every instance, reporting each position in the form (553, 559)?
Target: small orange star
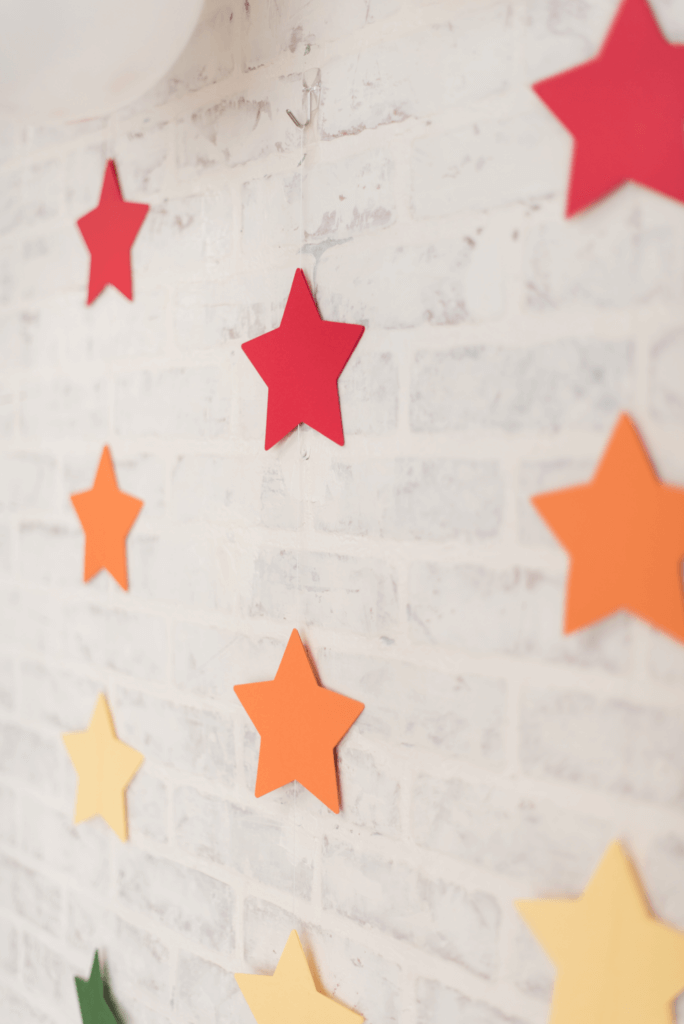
(107, 515)
(624, 532)
(300, 724)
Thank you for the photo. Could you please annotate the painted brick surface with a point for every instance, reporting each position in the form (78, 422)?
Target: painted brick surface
(496, 757)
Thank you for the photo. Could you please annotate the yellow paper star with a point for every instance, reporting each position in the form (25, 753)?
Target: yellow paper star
(289, 996)
(617, 964)
(105, 767)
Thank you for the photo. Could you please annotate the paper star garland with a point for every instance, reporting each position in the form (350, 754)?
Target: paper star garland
(289, 996)
(300, 362)
(109, 232)
(105, 768)
(617, 964)
(94, 1008)
(107, 515)
(624, 532)
(300, 724)
(625, 109)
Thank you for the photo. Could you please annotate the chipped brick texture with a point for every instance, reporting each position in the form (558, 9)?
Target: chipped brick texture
(496, 757)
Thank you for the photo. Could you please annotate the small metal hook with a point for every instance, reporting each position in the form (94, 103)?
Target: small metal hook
(308, 90)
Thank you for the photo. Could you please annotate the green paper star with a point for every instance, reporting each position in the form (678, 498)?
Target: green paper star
(94, 1009)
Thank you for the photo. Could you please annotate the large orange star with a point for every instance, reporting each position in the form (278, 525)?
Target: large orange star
(300, 724)
(107, 515)
(624, 532)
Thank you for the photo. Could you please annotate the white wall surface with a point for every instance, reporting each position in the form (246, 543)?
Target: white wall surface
(496, 758)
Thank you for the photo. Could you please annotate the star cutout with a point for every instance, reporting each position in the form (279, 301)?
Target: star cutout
(300, 724)
(107, 515)
(300, 362)
(289, 996)
(109, 232)
(624, 532)
(94, 1008)
(625, 109)
(105, 768)
(617, 964)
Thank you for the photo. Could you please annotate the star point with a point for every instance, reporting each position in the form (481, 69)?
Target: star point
(616, 963)
(625, 109)
(624, 532)
(109, 232)
(300, 362)
(105, 768)
(91, 999)
(289, 995)
(107, 515)
(300, 724)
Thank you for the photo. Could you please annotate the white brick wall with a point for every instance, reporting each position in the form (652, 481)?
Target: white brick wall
(496, 758)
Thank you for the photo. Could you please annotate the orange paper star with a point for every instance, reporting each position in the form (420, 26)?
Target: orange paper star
(107, 515)
(300, 724)
(624, 532)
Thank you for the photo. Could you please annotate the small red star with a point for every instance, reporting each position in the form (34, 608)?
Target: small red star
(625, 109)
(107, 515)
(300, 362)
(109, 232)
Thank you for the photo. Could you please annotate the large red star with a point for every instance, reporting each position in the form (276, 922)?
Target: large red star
(625, 109)
(109, 232)
(300, 724)
(300, 362)
(107, 515)
(624, 532)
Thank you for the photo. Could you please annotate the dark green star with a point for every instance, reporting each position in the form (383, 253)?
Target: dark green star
(94, 1009)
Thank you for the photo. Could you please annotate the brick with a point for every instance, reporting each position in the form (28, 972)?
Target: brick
(209, 661)
(349, 196)
(560, 37)
(29, 620)
(469, 59)
(461, 169)
(30, 758)
(182, 236)
(443, 282)
(108, 331)
(25, 893)
(147, 802)
(537, 478)
(204, 991)
(215, 487)
(80, 853)
(55, 699)
(9, 948)
(179, 898)
(8, 816)
(88, 924)
(610, 745)
(27, 482)
(666, 394)
(63, 408)
(8, 688)
(263, 849)
(369, 790)
(344, 967)
(369, 393)
(20, 1011)
(188, 402)
(186, 739)
(48, 975)
(143, 154)
(530, 968)
(438, 1004)
(132, 643)
(562, 385)
(413, 499)
(438, 916)
(51, 555)
(347, 594)
(509, 611)
(138, 962)
(180, 568)
(507, 832)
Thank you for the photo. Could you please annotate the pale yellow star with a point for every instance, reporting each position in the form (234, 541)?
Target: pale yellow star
(617, 964)
(105, 767)
(289, 996)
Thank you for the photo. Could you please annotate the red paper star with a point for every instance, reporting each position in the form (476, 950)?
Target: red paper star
(300, 362)
(109, 232)
(624, 532)
(625, 109)
(107, 515)
(300, 724)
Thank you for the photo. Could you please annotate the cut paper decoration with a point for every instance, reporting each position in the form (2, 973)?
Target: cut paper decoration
(300, 363)
(625, 109)
(624, 532)
(300, 724)
(289, 996)
(91, 998)
(107, 515)
(105, 768)
(616, 963)
(109, 232)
